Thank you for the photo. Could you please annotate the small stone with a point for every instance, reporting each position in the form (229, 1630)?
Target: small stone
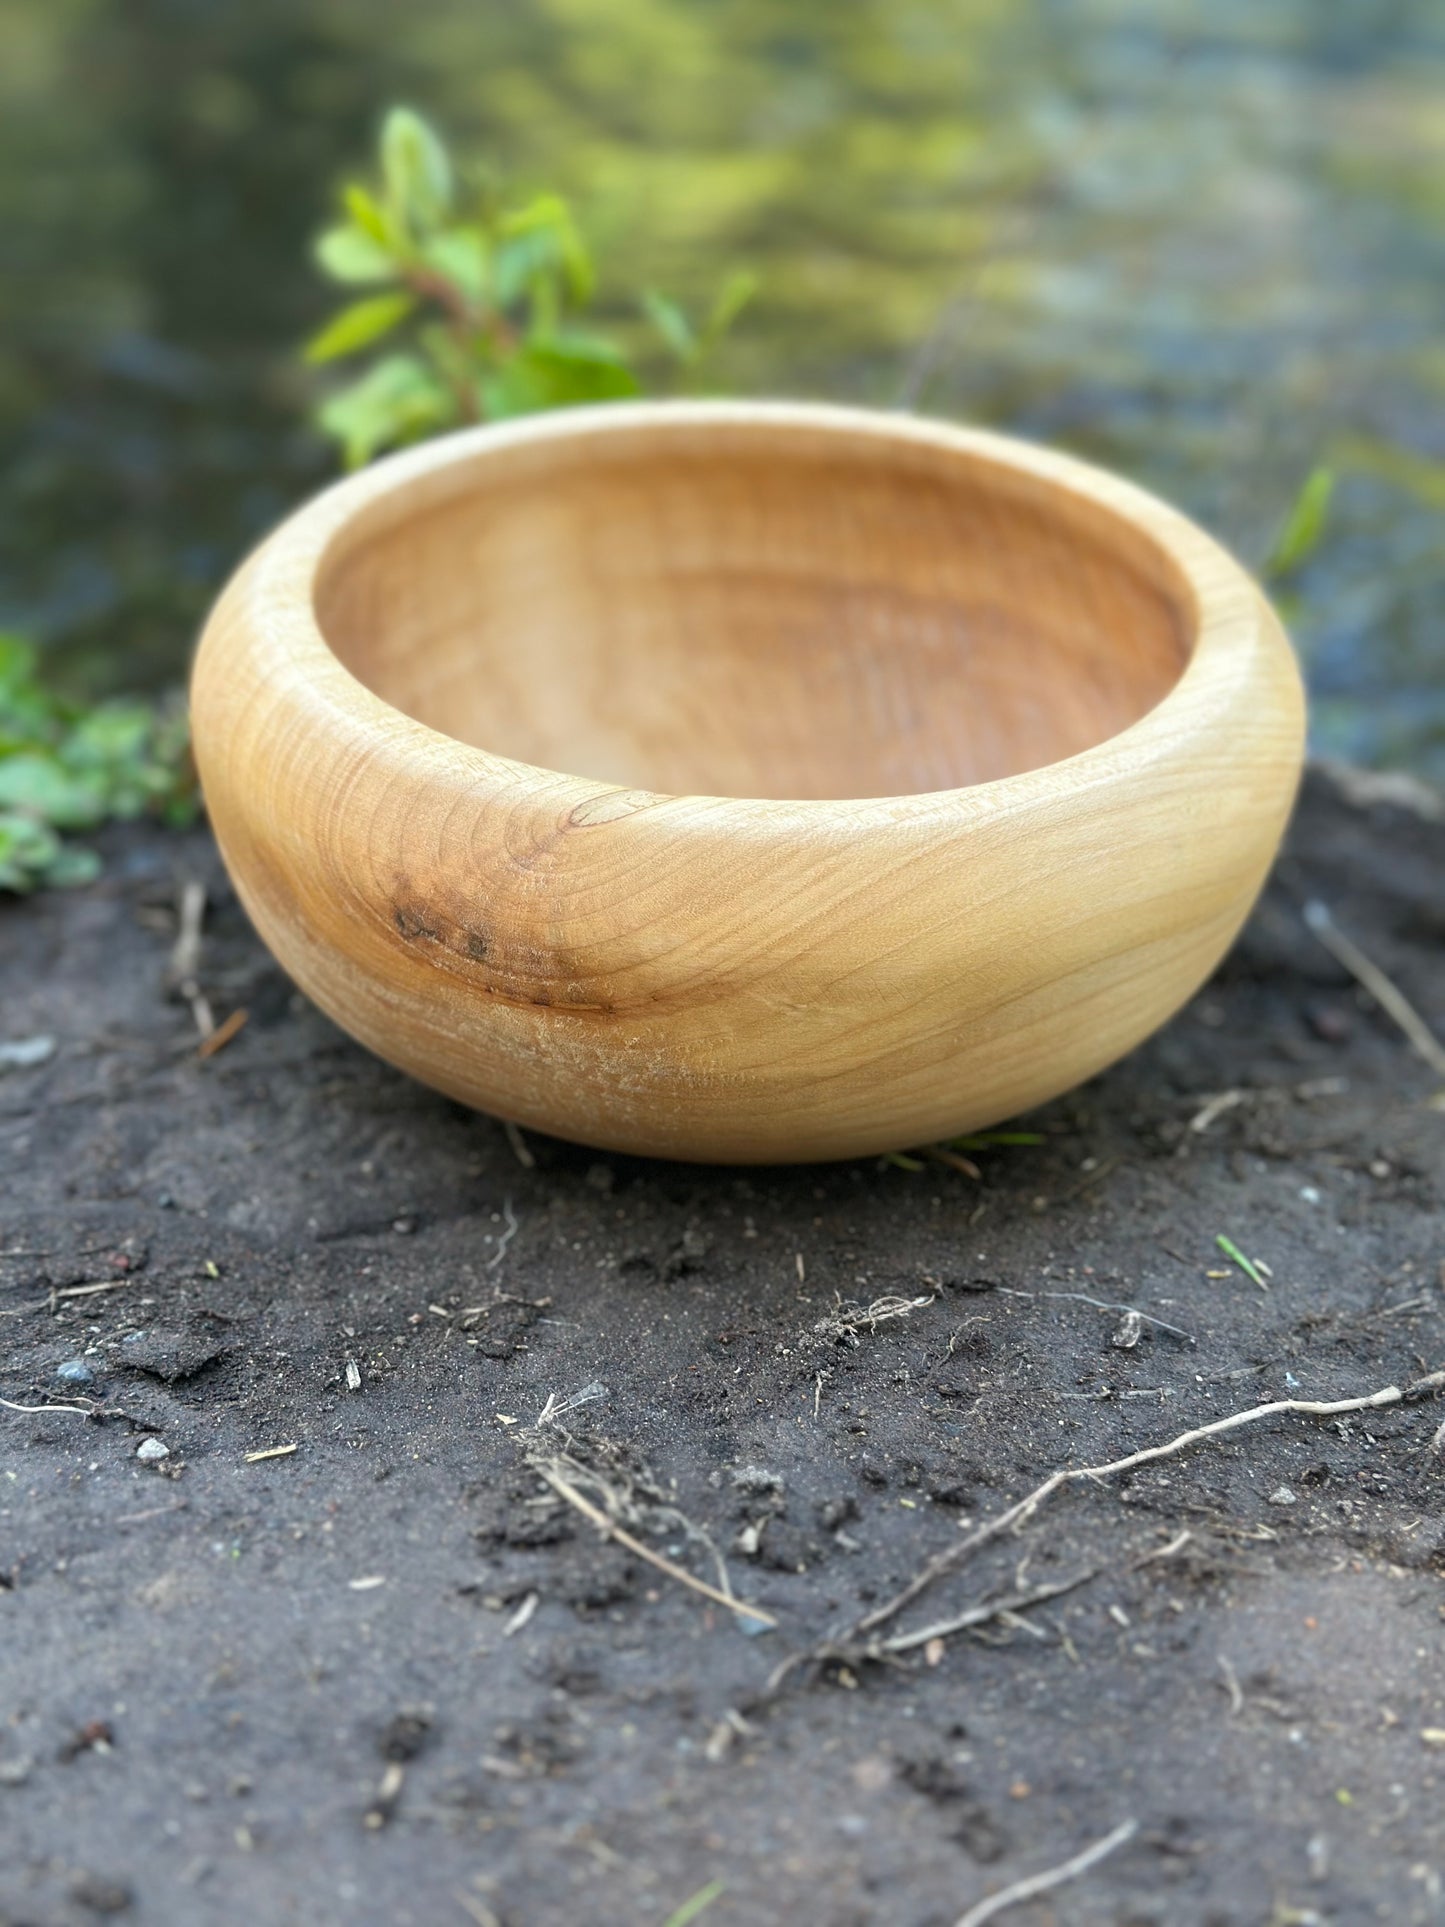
(1283, 1496)
(100, 1896)
(1329, 1023)
(757, 1481)
(75, 1371)
(152, 1451)
(406, 1734)
(1128, 1332)
(15, 1772)
(23, 1053)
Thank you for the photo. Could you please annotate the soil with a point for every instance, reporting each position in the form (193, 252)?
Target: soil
(391, 1676)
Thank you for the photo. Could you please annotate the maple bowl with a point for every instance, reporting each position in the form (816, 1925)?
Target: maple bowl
(745, 782)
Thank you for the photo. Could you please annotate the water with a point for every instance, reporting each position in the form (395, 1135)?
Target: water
(1201, 240)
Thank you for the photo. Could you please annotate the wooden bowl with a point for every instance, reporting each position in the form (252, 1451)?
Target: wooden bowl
(745, 782)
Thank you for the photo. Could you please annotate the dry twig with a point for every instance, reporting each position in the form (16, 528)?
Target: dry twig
(218, 1038)
(844, 1322)
(952, 1557)
(1215, 1107)
(1385, 991)
(1101, 1304)
(859, 1641)
(955, 1160)
(626, 1495)
(85, 1411)
(1042, 1883)
(507, 1235)
(185, 964)
(611, 1530)
(982, 1614)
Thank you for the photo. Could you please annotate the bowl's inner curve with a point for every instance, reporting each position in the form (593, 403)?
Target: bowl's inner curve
(758, 616)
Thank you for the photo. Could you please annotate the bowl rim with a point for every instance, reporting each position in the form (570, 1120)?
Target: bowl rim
(1233, 625)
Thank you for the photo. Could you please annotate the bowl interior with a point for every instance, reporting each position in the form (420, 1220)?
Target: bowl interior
(749, 609)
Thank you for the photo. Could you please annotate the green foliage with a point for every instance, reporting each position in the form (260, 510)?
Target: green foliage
(1303, 527)
(68, 768)
(479, 305)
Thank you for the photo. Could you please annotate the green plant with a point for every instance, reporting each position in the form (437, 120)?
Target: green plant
(65, 767)
(1303, 526)
(478, 304)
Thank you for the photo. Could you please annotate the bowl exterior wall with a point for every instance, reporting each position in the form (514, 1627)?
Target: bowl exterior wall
(726, 980)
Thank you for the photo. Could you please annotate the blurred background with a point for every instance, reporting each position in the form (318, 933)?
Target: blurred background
(1200, 240)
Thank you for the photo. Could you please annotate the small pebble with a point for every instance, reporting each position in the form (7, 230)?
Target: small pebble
(1329, 1023)
(757, 1480)
(21, 1053)
(1283, 1496)
(75, 1371)
(97, 1895)
(151, 1451)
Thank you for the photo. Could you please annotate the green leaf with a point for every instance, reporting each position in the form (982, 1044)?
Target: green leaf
(359, 326)
(671, 323)
(368, 214)
(27, 849)
(416, 168)
(560, 373)
(733, 296)
(17, 664)
(38, 783)
(541, 237)
(349, 254)
(114, 736)
(71, 865)
(1247, 1265)
(399, 400)
(695, 1905)
(1303, 526)
(459, 255)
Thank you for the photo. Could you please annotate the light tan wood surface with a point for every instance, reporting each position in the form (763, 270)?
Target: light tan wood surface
(745, 781)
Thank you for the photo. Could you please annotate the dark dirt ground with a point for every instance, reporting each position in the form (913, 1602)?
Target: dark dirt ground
(383, 1679)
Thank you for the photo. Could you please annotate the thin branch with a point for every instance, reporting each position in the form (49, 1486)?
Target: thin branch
(1385, 991)
(508, 1234)
(941, 1154)
(1100, 1304)
(85, 1411)
(1042, 1883)
(844, 1322)
(185, 964)
(990, 1609)
(611, 1530)
(1015, 1515)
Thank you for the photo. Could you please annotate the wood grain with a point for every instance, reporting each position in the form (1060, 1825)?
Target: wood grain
(745, 782)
